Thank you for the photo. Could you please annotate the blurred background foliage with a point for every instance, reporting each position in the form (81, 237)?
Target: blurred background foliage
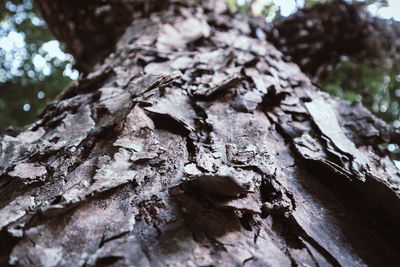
(34, 69)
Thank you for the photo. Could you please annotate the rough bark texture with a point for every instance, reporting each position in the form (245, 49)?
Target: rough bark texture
(90, 28)
(195, 144)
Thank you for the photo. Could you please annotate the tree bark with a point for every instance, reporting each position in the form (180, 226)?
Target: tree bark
(195, 144)
(89, 29)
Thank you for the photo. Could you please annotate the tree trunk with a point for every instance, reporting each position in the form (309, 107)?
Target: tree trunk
(318, 38)
(195, 144)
